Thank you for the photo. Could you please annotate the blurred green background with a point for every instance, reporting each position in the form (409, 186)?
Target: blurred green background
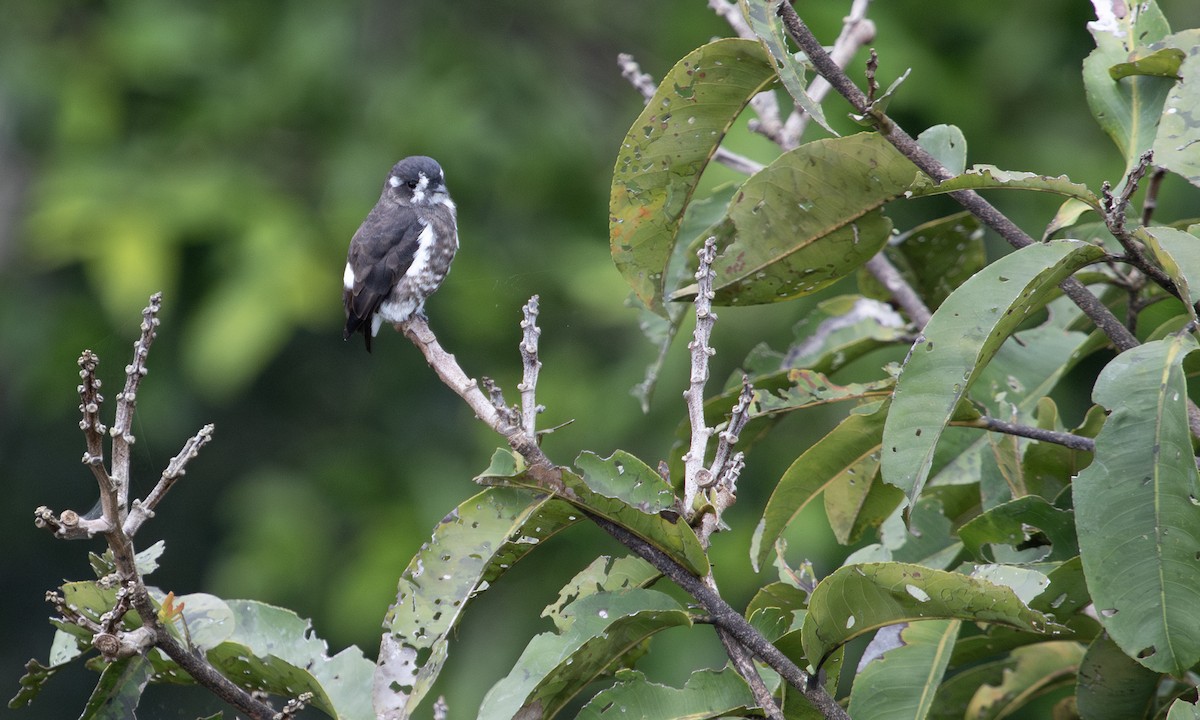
(225, 152)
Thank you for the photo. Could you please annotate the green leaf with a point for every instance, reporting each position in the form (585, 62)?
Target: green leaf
(955, 694)
(1178, 253)
(842, 451)
(840, 330)
(1036, 669)
(624, 477)
(274, 649)
(469, 550)
(900, 684)
(555, 666)
(1183, 710)
(666, 531)
(1136, 509)
(990, 177)
(35, 677)
(857, 599)
(763, 16)
(1127, 109)
(926, 539)
(1160, 63)
(119, 690)
(948, 144)
(667, 149)
(1176, 143)
(1113, 686)
(604, 574)
(935, 258)
(809, 218)
(961, 337)
(1013, 524)
(707, 694)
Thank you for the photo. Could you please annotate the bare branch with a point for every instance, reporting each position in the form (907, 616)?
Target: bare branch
(986, 422)
(903, 293)
(122, 438)
(531, 365)
(1150, 202)
(728, 437)
(696, 477)
(143, 510)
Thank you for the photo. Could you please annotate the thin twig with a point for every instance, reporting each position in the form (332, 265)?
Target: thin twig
(1075, 442)
(1150, 202)
(143, 510)
(531, 365)
(122, 438)
(903, 293)
(696, 477)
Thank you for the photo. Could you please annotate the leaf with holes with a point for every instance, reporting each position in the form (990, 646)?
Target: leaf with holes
(707, 694)
(990, 177)
(965, 332)
(1137, 509)
(901, 680)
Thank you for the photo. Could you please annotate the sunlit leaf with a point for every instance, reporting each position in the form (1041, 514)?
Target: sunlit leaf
(667, 149)
(961, 337)
(1137, 511)
(556, 666)
(857, 599)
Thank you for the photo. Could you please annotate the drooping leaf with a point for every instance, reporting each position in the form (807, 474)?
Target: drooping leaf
(31, 683)
(707, 694)
(955, 694)
(1136, 508)
(665, 530)
(1127, 109)
(1035, 669)
(990, 177)
(258, 670)
(1177, 143)
(961, 337)
(843, 450)
(811, 217)
(948, 144)
(473, 546)
(555, 666)
(1178, 253)
(763, 17)
(667, 149)
(624, 477)
(1111, 685)
(857, 599)
(119, 690)
(900, 684)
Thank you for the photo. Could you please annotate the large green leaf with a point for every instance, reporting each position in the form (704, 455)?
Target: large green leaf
(555, 666)
(1183, 710)
(1013, 524)
(1137, 511)
(1113, 686)
(119, 690)
(1177, 144)
(658, 524)
(1127, 109)
(667, 149)
(901, 683)
(470, 548)
(961, 337)
(811, 217)
(854, 441)
(857, 599)
(707, 694)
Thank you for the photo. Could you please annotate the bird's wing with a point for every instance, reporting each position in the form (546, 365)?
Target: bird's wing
(380, 253)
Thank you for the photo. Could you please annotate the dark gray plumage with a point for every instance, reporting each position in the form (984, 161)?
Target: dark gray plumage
(402, 251)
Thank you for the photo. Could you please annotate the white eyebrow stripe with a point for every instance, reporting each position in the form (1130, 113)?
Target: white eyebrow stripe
(394, 181)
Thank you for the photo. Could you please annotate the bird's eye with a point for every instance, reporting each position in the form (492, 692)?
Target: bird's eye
(412, 184)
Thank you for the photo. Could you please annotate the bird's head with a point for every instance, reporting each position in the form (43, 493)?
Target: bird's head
(417, 180)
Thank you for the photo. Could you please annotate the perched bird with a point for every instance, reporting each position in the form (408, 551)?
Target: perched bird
(402, 251)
